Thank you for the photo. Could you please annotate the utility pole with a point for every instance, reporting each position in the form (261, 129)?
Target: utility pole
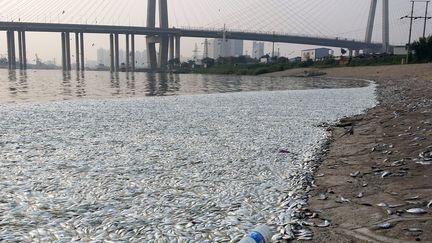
(426, 19)
(412, 18)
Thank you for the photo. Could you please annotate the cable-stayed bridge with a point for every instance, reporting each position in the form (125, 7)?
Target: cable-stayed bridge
(157, 31)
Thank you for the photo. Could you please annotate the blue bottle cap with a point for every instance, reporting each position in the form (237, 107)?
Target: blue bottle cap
(257, 236)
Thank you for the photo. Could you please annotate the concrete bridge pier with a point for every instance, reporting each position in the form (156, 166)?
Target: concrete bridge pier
(133, 52)
(151, 52)
(177, 48)
(66, 53)
(82, 51)
(163, 39)
(171, 48)
(163, 52)
(24, 49)
(116, 52)
(11, 49)
(63, 47)
(20, 50)
(77, 51)
(127, 53)
(112, 68)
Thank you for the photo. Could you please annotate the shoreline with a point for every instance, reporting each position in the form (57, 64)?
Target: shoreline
(369, 175)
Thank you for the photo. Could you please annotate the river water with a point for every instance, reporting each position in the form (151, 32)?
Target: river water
(150, 157)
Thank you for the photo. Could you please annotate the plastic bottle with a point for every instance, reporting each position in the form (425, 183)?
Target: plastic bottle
(261, 234)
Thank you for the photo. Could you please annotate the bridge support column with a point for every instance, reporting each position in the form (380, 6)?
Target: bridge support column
(177, 48)
(82, 51)
(63, 45)
(68, 51)
(151, 54)
(171, 48)
(13, 50)
(20, 50)
(77, 50)
(24, 49)
(9, 47)
(133, 52)
(162, 39)
(116, 52)
(112, 68)
(127, 53)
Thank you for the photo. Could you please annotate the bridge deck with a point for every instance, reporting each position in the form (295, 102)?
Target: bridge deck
(201, 33)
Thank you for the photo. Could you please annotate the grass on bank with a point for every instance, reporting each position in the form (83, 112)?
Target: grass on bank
(277, 65)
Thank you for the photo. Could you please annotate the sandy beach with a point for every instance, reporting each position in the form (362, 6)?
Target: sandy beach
(375, 180)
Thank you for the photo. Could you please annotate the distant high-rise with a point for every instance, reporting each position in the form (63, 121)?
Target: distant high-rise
(103, 57)
(227, 48)
(257, 50)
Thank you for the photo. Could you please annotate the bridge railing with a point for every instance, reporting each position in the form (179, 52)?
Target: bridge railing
(276, 33)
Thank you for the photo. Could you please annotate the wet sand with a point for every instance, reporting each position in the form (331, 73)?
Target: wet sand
(370, 173)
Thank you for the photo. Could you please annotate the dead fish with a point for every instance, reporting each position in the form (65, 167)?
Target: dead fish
(344, 200)
(421, 162)
(395, 205)
(412, 198)
(276, 237)
(397, 163)
(322, 196)
(382, 205)
(385, 174)
(417, 230)
(416, 211)
(355, 174)
(383, 226)
(320, 175)
(306, 223)
(360, 195)
(365, 184)
(429, 204)
(325, 224)
(389, 211)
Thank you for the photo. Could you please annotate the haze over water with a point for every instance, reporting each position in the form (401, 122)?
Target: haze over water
(200, 163)
(44, 85)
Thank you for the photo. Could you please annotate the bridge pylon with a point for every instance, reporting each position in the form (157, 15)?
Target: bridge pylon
(385, 22)
(157, 61)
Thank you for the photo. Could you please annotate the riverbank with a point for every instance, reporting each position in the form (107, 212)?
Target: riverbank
(373, 171)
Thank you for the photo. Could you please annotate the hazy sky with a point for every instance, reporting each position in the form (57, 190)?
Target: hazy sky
(342, 18)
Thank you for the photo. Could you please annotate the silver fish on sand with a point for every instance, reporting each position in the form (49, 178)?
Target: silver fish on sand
(416, 211)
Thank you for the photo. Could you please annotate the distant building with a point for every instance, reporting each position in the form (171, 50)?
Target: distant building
(103, 57)
(257, 50)
(227, 48)
(316, 54)
(400, 50)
